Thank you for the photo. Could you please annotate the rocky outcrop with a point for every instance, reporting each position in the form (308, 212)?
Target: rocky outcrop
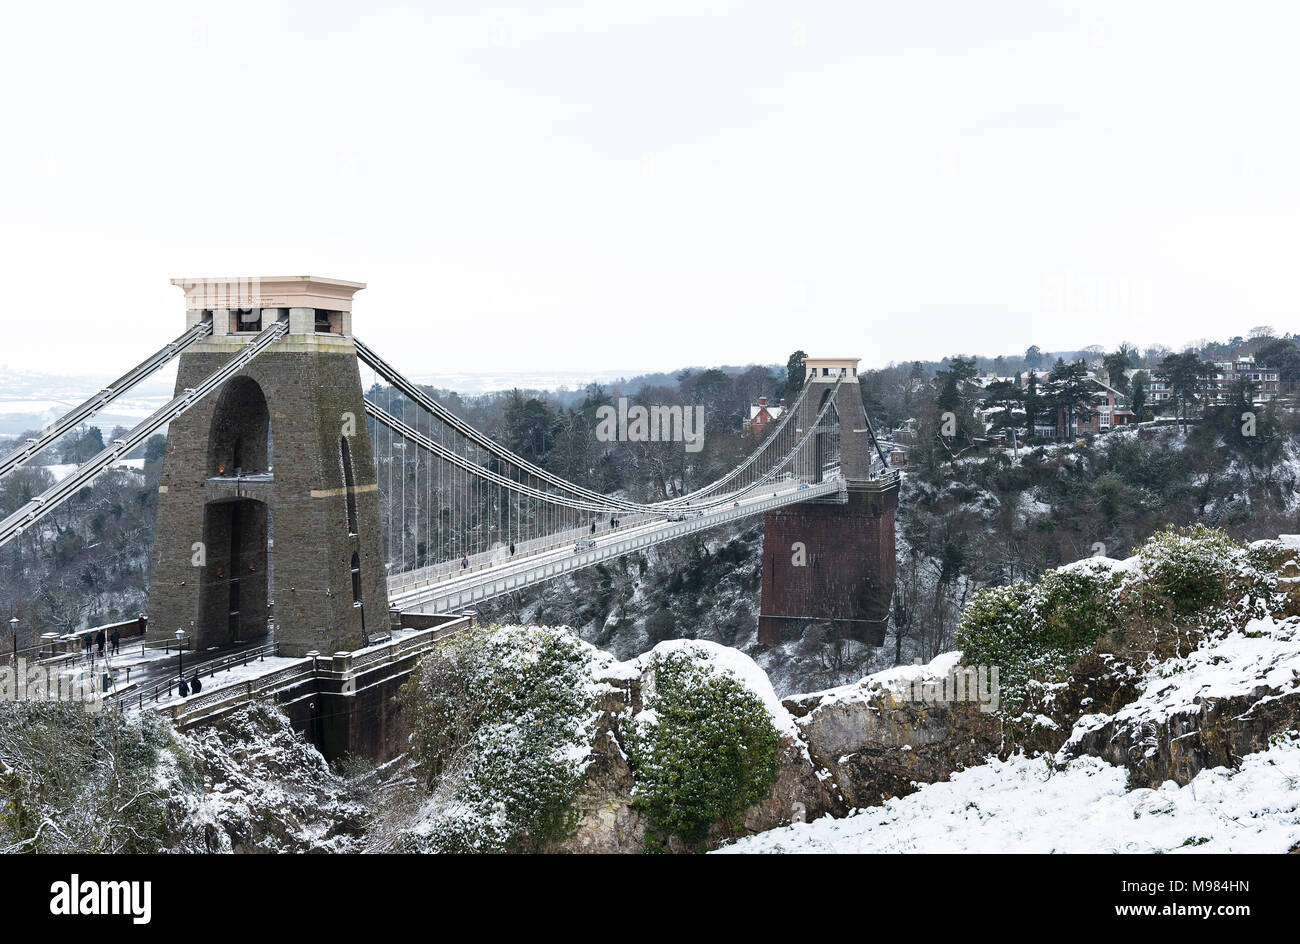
(847, 747)
(1208, 701)
(264, 789)
(607, 822)
(1229, 696)
(1179, 747)
(877, 741)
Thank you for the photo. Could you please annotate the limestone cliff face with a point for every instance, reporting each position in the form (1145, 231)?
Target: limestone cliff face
(1217, 734)
(876, 745)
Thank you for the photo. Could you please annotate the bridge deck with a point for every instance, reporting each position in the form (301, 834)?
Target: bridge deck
(436, 591)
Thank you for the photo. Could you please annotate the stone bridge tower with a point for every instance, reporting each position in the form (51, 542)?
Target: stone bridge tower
(827, 561)
(268, 507)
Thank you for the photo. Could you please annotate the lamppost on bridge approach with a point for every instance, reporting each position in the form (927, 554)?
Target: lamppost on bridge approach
(180, 655)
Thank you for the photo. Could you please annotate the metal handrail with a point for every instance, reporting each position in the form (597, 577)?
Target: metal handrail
(209, 668)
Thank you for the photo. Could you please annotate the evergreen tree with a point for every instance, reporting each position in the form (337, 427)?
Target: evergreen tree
(1006, 396)
(1283, 355)
(1071, 392)
(957, 395)
(952, 382)
(794, 373)
(1033, 403)
(1138, 395)
(1187, 376)
(1115, 364)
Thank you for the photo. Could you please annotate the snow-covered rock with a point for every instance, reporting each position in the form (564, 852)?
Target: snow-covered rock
(1222, 701)
(895, 730)
(1029, 805)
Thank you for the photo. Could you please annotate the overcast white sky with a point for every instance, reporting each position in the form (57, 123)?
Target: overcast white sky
(647, 185)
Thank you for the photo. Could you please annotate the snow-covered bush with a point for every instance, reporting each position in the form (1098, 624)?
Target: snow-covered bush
(1182, 571)
(1193, 580)
(703, 749)
(995, 630)
(1032, 632)
(73, 781)
(501, 726)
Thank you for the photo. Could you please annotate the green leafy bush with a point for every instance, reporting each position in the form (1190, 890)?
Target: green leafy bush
(1184, 570)
(1032, 632)
(500, 724)
(1075, 606)
(704, 749)
(995, 630)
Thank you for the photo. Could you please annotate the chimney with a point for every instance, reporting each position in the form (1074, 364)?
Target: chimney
(762, 401)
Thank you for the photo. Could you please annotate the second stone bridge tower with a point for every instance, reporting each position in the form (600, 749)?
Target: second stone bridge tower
(268, 505)
(826, 561)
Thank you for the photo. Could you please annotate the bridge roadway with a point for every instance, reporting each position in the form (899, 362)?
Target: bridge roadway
(431, 590)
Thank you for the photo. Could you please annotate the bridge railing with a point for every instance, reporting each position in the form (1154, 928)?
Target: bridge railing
(879, 483)
(218, 701)
(229, 697)
(456, 595)
(210, 668)
(401, 647)
(484, 560)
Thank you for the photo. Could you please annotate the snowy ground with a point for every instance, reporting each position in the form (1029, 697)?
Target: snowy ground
(237, 674)
(1023, 805)
(1045, 805)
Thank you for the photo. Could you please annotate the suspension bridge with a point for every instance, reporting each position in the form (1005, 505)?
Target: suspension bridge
(295, 498)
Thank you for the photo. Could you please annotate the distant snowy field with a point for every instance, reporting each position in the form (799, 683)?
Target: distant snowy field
(1023, 805)
(62, 470)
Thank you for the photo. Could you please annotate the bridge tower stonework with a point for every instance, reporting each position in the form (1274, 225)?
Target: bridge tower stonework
(825, 561)
(268, 509)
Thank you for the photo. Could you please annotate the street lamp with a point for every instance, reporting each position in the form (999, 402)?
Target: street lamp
(13, 625)
(180, 654)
